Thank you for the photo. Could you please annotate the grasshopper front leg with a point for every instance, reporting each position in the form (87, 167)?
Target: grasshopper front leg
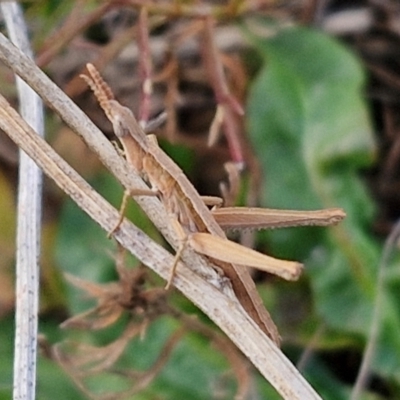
(124, 204)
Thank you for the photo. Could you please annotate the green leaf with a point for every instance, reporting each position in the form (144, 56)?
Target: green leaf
(311, 132)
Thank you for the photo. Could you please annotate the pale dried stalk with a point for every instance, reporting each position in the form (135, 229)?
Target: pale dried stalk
(222, 309)
(72, 26)
(28, 225)
(364, 372)
(228, 108)
(145, 67)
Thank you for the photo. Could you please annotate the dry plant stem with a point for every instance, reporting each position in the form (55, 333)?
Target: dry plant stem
(191, 10)
(230, 192)
(228, 107)
(28, 226)
(376, 322)
(144, 67)
(224, 310)
(311, 347)
(216, 70)
(214, 131)
(70, 29)
(107, 53)
(169, 75)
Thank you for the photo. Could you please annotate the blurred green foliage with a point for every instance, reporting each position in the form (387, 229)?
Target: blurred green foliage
(312, 135)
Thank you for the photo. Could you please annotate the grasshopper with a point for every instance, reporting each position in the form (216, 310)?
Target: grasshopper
(189, 214)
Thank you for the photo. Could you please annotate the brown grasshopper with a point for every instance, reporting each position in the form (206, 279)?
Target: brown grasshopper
(189, 214)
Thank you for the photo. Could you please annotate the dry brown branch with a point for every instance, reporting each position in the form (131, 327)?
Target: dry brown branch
(145, 67)
(72, 26)
(228, 108)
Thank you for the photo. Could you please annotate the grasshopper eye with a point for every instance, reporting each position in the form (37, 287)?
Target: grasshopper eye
(120, 129)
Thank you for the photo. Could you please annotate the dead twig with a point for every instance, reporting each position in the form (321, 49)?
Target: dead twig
(28, 225)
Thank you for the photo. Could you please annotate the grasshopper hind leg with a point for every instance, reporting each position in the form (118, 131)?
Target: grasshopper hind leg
(183, 241)
(122, 210)
(175, 265)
